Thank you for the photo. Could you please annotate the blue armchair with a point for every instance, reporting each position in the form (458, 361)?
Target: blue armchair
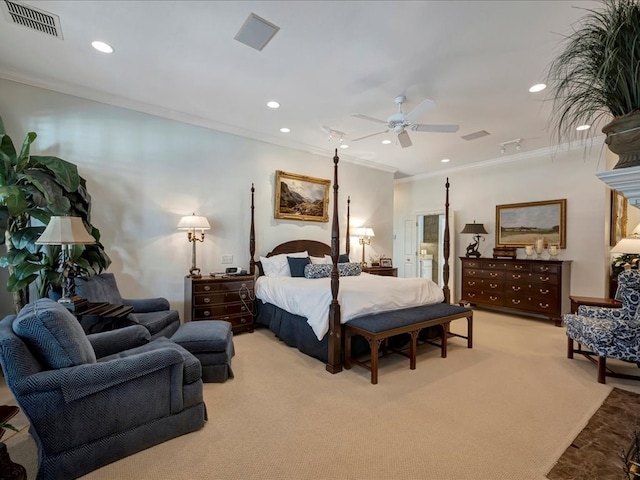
(152, 313)
(609, 332)
(145, 392)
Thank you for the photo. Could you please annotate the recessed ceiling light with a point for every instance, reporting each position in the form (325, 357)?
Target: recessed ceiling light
(386, 142)
(344, 145)
(285, 130)
(583, 127)
(102, 47)
(273, 104)
(538, 87)
(444, 160)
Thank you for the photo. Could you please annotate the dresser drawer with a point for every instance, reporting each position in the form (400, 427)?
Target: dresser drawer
(555, 269)
(548, 305)
(482, 284)
(204, 287)
(215, 298)
(484, 297)
(493, 275)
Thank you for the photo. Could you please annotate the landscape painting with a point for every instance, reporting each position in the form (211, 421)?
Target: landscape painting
(520, 224)
(299, 197)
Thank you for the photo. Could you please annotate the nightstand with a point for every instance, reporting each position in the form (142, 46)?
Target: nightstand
(383, 271)
(220, 298)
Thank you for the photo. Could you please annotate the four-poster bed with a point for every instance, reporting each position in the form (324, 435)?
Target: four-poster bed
(290, 323)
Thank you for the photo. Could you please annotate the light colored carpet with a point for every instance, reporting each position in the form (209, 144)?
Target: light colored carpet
(505, 409)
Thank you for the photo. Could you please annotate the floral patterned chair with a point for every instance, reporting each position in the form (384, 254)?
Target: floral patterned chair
(609, 332)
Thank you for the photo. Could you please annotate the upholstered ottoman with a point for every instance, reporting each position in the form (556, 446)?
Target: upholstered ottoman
(211, 341)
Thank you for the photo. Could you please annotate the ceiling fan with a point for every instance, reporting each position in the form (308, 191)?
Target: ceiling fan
(399, 122)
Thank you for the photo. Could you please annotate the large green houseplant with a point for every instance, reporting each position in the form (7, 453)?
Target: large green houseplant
(597, 76)
(36, 188)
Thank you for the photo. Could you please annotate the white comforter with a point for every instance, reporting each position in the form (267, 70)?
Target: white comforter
(358, 295)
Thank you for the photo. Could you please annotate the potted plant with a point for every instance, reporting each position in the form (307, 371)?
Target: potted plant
(597, 76)
(37, 187)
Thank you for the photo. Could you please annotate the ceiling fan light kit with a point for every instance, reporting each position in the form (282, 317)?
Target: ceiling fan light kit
(400, 122)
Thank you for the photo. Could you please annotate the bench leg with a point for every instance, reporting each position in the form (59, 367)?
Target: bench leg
(602, 369)
(443, 339)
(569, 347)
(470, 331)
(413, 348)
(347, 349)
(375, 346)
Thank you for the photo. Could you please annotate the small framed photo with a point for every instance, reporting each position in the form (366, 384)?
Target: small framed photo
(386, 262)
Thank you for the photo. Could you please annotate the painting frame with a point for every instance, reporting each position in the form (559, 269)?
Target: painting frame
(525, 222)
(386, 262)
(314, 190)
(619, 219)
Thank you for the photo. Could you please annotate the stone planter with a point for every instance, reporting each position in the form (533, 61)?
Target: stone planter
(623, 139)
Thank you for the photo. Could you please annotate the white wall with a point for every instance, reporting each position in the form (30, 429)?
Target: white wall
(144, 172)
(475, 192)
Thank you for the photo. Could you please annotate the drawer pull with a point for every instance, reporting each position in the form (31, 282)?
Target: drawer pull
(493, 274)
(207, 300)
(492, 298)
(544, 269)
(544, 279)
(471, 295)
(244, 309)
(492, 265)
(207, 288)
(516, 288)
(516, 277)
(472, 272)
(519, 267)
(243, 285)
(243, 296)
(206, 313)
(544, 292)
(544, 305)
(493, 285)
(471, 284)
(243, 320)
(515, 301)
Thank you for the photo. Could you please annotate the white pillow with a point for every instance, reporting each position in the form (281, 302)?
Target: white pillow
(278, 266)
(320, 260)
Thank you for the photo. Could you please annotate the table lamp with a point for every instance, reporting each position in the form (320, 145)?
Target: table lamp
(66, 231)
(630, 246)
(364, 235)
(191, 223)
(477, 229)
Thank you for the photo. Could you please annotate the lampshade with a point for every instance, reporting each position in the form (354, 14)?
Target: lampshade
(627, 245)
(193, 222)
(364, 232)
(65, 231)
(475, 228)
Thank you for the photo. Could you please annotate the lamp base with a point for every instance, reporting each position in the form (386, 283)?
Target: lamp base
(194, 273)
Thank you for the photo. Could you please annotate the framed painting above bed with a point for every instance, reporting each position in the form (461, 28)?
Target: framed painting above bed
(299, 197)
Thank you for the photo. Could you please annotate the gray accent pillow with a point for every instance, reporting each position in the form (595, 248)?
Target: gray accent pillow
(323, 270)
(53, 334)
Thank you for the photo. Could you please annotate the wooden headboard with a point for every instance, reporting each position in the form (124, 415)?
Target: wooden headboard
(315, 248)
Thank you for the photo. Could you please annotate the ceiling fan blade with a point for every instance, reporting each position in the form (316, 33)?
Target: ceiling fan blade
(366, 117)
(420, 110)
(403, 138)
(367, 136)
(417, 127)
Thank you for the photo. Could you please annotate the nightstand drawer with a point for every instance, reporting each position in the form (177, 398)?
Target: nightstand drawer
(222, 297)
(229, 286)
(223, 309)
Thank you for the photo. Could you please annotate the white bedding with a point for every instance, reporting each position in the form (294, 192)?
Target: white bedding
(358, 295)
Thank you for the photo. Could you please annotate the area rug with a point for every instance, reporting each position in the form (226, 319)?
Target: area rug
(596, 453)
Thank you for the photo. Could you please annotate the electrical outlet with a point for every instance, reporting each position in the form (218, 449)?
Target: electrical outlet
(227, 259)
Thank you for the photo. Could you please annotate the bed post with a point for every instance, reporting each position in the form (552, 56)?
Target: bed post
(252, 236)
(446, 246)
(334, 357)
(348, 242)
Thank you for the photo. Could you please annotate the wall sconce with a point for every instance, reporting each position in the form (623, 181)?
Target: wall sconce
(66, 231)
(476, 229)
(191, 223)
(364, 235)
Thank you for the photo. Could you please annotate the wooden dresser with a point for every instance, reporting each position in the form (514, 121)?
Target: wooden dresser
(529, 287)
(384, 271)
(227, 298)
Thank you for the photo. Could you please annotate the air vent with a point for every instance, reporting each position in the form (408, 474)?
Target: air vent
(475, 135)
(32, 18)
(256, 32)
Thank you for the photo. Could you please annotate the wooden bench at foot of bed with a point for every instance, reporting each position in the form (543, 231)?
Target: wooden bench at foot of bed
(376, 328)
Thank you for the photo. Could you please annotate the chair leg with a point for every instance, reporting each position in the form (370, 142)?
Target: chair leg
(569, 347)
(602, 369)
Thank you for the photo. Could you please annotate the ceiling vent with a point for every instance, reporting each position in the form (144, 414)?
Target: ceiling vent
(32, 18)
(475, 135)
(256, 32)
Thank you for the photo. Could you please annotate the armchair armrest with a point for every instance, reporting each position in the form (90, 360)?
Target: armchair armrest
(83, 380)
(604, 313)
(114, 341)
(143, 305)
